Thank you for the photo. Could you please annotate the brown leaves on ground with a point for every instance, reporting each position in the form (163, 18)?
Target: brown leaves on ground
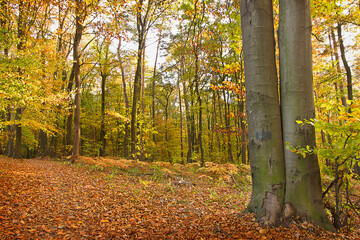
(121, 199)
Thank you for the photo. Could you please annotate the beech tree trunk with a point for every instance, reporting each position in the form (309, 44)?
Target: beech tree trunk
(102, 124)
(20, 47)
(10, 133)
(18, 135)
(346, 64)
(76, 57)
(263, 111)
(153, 84)
(43, 144)
(127, 105)
(142, 24)
(136, 98)
(69, 119)
(303, 194)
(338, 69)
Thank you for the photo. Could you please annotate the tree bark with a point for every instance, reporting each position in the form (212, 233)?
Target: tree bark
(346, 64)
(197, 80)
(338, 70)
(350, 97)
(76, 57)
(228, 127)
(18, 134)
(263, 111)
(20, 47)
(43, 144)
(141, 30)
(181, 74)
(10, 133)
(70, 116)
(303, 194)
(127, 106)
(153, 84)
(102, 124)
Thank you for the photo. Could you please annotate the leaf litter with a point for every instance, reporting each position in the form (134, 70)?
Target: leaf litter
(108, 198)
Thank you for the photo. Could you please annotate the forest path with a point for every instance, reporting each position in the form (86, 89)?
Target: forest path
(47, 199)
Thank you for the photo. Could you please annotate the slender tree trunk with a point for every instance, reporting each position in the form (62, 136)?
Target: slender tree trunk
(19, 110)
(338, 69)
(102, 125)
(188, 125)
(136, 98)
(220, 135)
(263, 111)
(43, 143)
(137, 83)
(243, 131)
(76, 57)
(69, 120)
(345, 62)
(349, 81)
(127, 106)
(303, 194)
(197, 80)
(10, 133)
(18, 135)
(181, 118)
(228, 128)
(9, 115)
(154, 83)
(142, 140)
(217, 133)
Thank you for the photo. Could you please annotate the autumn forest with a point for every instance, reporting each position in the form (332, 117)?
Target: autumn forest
(179, 84)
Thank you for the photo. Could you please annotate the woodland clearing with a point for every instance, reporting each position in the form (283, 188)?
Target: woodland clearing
(108, 198)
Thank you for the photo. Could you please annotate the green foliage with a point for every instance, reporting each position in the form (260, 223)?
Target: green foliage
(339, 134)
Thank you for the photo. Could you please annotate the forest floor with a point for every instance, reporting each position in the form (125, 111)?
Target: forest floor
(104, 198)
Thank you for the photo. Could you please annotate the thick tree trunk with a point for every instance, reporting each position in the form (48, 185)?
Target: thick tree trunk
(263, 111)
(76, 57)
(303, 184)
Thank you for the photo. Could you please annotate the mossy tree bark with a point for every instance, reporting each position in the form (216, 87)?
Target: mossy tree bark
(263, 111)
(303, 194)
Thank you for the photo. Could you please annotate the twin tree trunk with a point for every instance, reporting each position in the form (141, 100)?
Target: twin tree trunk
(284, 183)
